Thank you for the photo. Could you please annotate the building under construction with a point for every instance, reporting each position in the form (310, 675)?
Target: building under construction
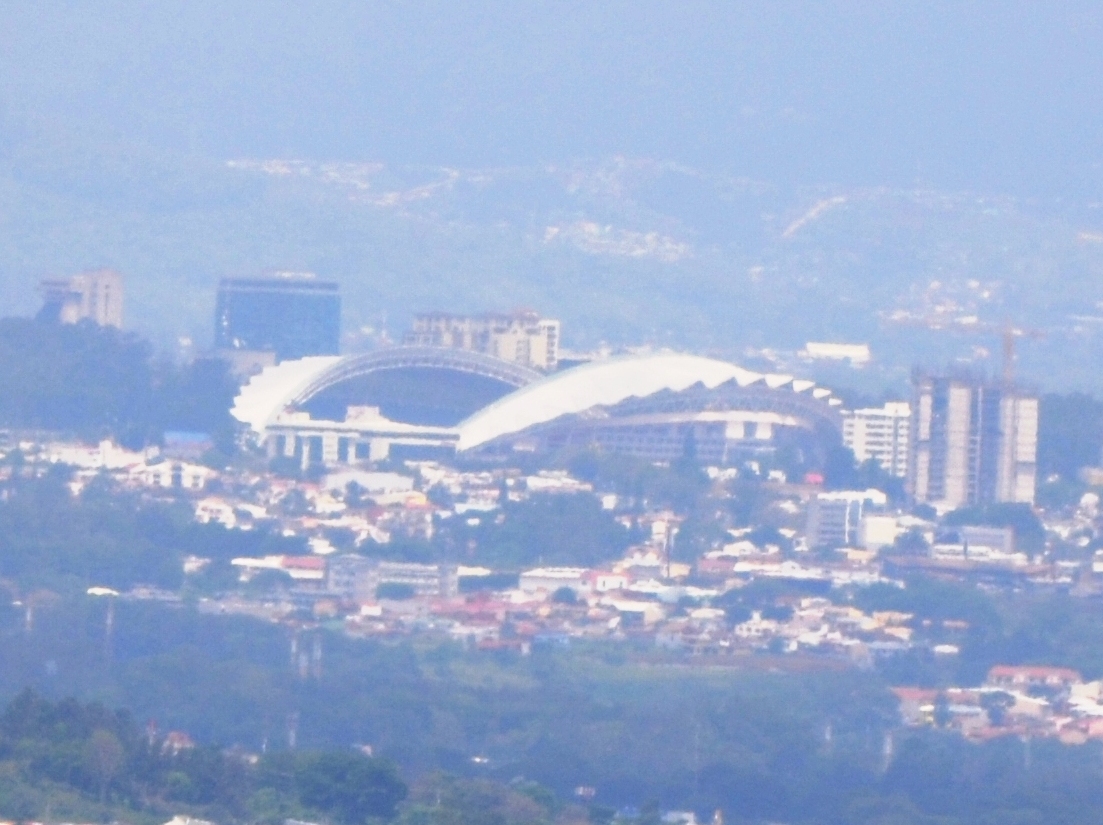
(973, 442)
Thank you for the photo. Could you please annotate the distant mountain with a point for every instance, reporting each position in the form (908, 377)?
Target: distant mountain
(736, 178)
(626, 251)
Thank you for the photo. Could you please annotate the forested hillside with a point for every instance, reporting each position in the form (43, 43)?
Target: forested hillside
(67, 759)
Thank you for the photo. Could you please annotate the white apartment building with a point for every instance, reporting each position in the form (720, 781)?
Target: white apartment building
(880, 434)
(522, 337)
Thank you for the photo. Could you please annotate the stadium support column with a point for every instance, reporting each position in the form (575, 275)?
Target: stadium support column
(312, 450)
(330, 444)
(380, 449)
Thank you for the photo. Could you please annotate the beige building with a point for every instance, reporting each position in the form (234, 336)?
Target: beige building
(521, 337)
(96, 296)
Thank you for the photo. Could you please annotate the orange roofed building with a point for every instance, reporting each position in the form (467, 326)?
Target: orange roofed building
(1027, 676)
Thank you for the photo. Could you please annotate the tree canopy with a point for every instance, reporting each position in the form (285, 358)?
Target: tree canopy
(97, 382)
(92, 760)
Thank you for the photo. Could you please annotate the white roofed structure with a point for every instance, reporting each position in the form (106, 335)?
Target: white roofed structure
(289, 384)
(268, 393)
(605, 383)
(656, 406)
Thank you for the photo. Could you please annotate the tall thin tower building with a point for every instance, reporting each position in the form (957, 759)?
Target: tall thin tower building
(972, 443)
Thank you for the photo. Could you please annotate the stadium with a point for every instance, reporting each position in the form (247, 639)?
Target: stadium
(408, 402)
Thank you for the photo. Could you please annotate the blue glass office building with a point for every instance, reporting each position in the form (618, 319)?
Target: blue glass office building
(293, 316)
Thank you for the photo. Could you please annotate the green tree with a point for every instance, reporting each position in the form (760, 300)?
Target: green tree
(349, 786)
(97, 381)
(548, 528)
(1030, 534)
(565, 595)
(104, 755)
(996, 704)
(447, 800)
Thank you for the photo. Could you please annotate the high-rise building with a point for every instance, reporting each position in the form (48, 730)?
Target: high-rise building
(972, 443)
(291, 314)
(96, 296)
(521, 337)
(881, 434)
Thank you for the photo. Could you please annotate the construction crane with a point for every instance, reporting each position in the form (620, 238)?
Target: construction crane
(1007, 332)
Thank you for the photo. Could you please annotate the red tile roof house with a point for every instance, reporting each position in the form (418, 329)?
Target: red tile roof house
(1022, 677)
(913, 702)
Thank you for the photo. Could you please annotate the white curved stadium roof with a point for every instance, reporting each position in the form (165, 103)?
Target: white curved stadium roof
(573, 391)
(604, 383)
(270, 391)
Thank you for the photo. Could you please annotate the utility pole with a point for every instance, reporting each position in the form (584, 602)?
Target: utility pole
(1008, 334)
(316, 656)
(109, 619)
(109, 629)
(292, 729)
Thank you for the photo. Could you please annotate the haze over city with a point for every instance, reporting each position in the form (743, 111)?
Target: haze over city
(546, 413)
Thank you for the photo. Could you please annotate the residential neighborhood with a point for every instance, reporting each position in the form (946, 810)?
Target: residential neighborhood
(358, 572)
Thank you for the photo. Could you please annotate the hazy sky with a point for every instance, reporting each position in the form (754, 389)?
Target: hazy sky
(994, 95)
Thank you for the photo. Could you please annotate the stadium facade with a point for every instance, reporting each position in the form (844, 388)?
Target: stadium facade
(421, 401)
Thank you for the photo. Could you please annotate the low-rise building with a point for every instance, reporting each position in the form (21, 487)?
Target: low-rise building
(834, 518)
(857, 354)
(1025, 677)
(550, 579)
(358, 577)
(176, 475)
